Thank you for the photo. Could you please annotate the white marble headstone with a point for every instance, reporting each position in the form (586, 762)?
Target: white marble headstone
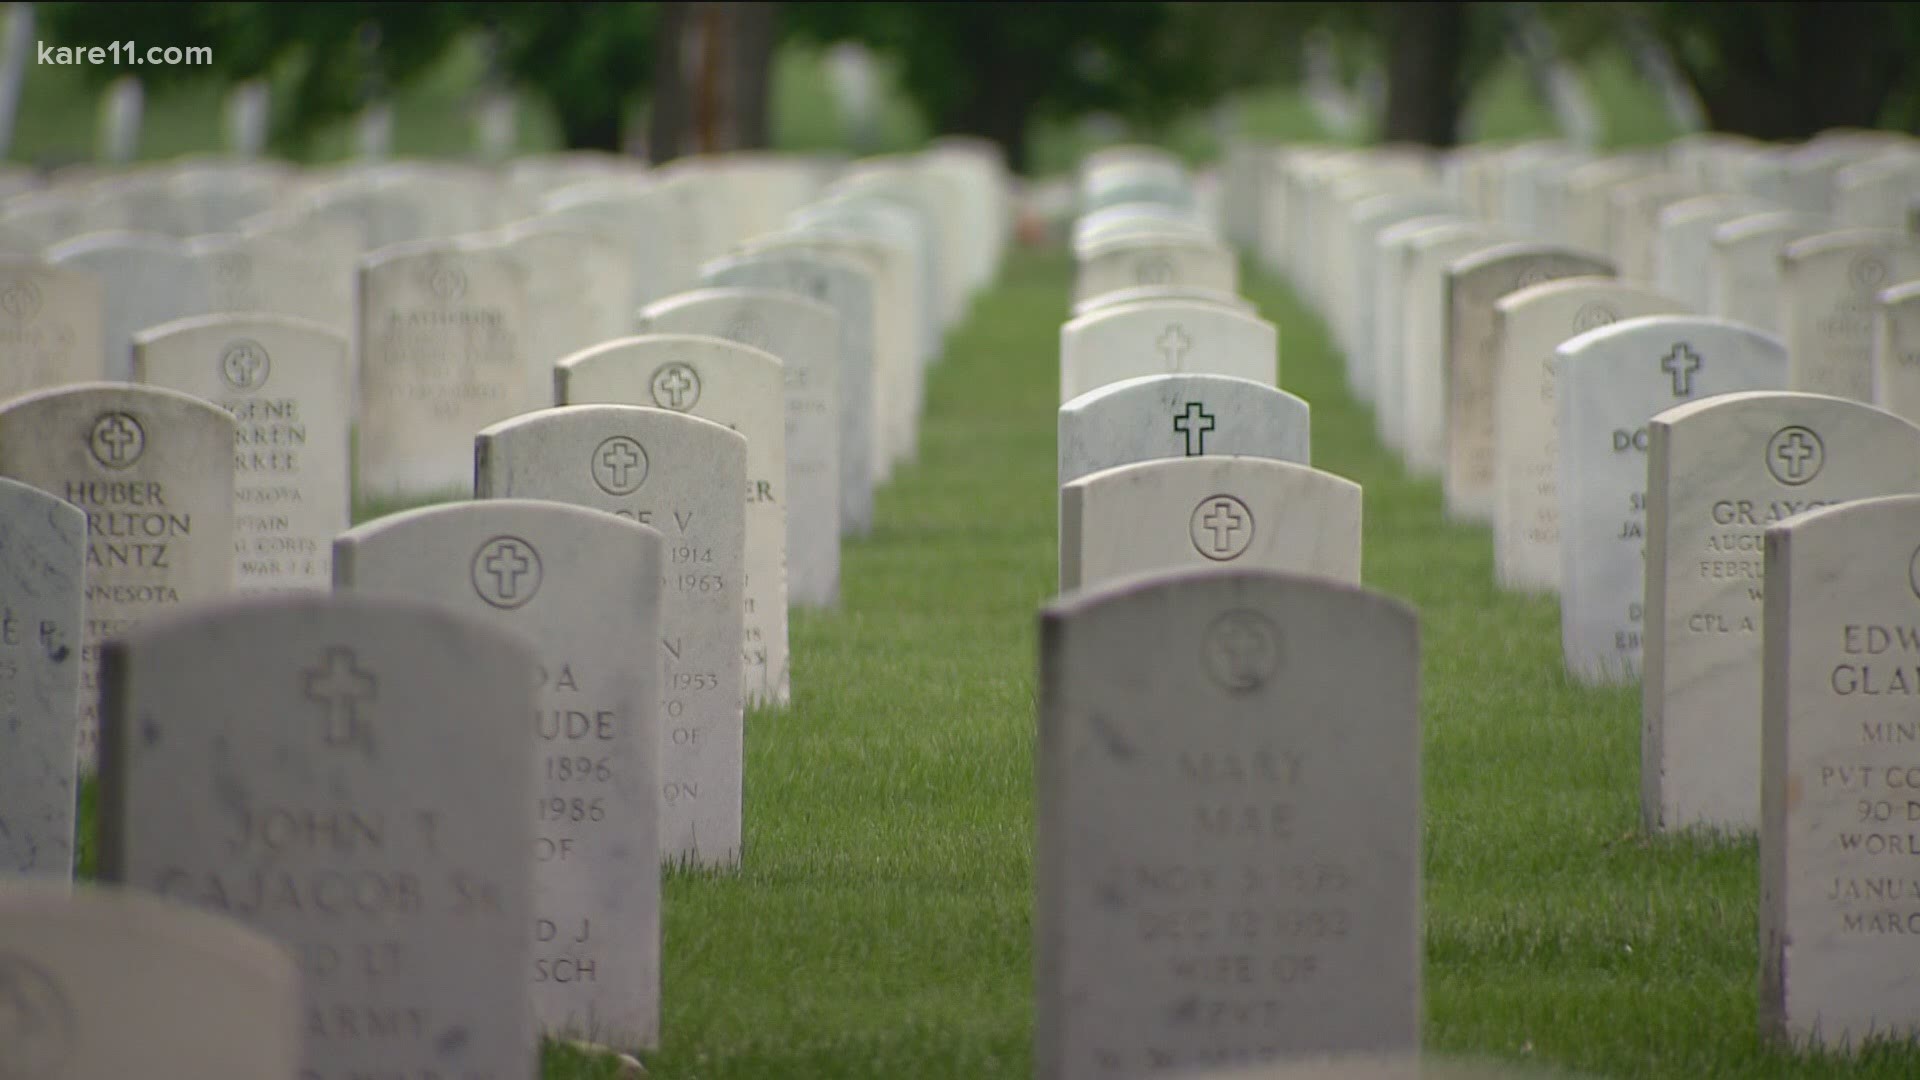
(686, 477)
(804, 335)
(1473, 285)
(1126, 262)
(1896, 350)
(43, 546)
(1529, 324)
(742, 388)
(1609, 383)
(1228, 863)
(286, 383)
(1173, 416)
(145, 280)
(113, 982)
(153, 471)
(1720, 471)
(352, 778)
(51, 323)
(1220, 512)
(1828, 282)
(1839, 911)
(1165, 337)
(580, 586)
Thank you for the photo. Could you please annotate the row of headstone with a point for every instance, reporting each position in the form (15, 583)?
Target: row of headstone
(1654, 376)
(1228, 855)
(620, 574)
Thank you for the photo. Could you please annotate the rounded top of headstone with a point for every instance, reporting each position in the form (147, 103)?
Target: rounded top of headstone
(1905, 292)
(742, 294)
(130, 392)
(1162, 307)
(1785, 222)
(115, 240)
(1186, 380)
(1840, 240)
(1711, 204)
(1154, 586)
(1619, 334)
(574, 515)
(611, 415)
(108, 910)
(706, 346)
(1113, 245)
(1140, 294)
(1505, 250)
(1748, 399)
(1880, 515)
(237, 322)
(1543, 292)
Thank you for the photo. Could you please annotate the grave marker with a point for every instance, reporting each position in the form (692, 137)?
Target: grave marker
(112, 982)
(153, 471)
(145, 280)
(287, 761)
(1529, 324)
(1175, 416)
(1129, 261)
(43, 544)
(1837, 909)
(742, 388)
(1610, 382)
(686, 477)
(1828, 282)
(1165, 337)
(286, 383)
(581, 586)
(1719, 472)
(1473, 285)
(1208, 512)
(1258, 814)
(1896, 350)
(50, 327)
(805, 336)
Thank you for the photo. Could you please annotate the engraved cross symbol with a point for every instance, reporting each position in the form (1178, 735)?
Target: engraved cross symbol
(340, 685)
(117, 435)
(617, 458)
(506, 564)
(1194, 424)
(676, 384)
(1244, 646)
(1793, 452)
(1681, 363)
(1173, 345)
(1223, 521)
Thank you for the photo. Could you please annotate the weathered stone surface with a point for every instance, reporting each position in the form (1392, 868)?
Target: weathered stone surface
(1165, 337)
(51, 320)
(43, 546)
(1172, 416)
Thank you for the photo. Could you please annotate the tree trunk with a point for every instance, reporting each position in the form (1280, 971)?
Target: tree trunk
(1000, 110)
(667, 126)
(1424, 91)
(752, 73)
(1843, 65)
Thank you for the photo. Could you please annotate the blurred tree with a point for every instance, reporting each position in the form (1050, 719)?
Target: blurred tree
(992, 69)
(1789, 70)
(721, 103)
(590, 62)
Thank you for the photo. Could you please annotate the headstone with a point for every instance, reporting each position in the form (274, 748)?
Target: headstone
(578, 286)
(112, 982)
(1165, 338)
(742, 388)
(1142, 293)
(43, 543)
(1412, 399)
(145, 280)
(1529, 324)
(1609, 383)
(1896, 350)
(805, 336)
(50, 327)
(846, 287)
(1220, 512)
(1473, 285)
(1828, 283)
(1225, 871)
(285, 382)
(1175, 416)
(1719, 472)
(1837, 907)
(1156, 260)
(443, 334)
(1682, 243)
(350, 777)
(1743, 266)
(581, 586)
(686, 477)
(153, 470)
